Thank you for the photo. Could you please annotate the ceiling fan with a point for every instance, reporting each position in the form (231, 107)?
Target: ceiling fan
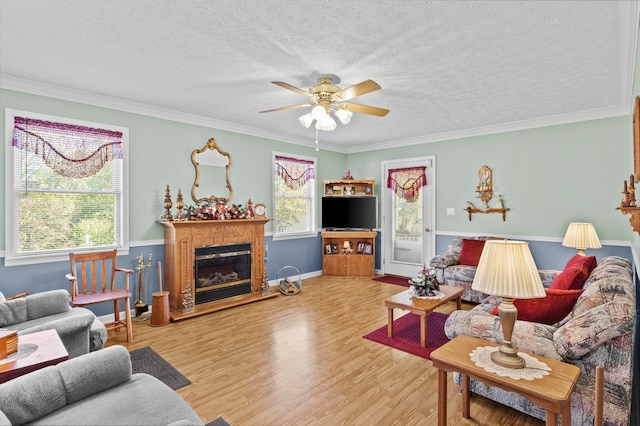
(327, 97)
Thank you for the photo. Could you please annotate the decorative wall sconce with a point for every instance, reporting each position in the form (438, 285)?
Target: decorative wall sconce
(485, 194)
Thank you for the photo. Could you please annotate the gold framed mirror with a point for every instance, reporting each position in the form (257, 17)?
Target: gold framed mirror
(212, 169)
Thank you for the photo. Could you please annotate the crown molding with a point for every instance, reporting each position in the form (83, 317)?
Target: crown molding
(42, 89)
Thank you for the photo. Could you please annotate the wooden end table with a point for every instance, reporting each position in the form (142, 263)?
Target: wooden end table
(422, 307)
(50, 351)
(552, 392)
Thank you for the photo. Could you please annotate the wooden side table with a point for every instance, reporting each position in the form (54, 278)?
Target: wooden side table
(552, 392)
(50, 351)
(423, 307)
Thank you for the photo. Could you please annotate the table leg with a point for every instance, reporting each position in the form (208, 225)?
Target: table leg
(390, 322)
(442, 398)
(566, 414)
(550, 418)
(459, 302)
(423, 331)
(466, 401)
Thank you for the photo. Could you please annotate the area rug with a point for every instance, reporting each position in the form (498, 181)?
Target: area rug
(406, 334)
(218, 422)
(146, 360)
(393, 279)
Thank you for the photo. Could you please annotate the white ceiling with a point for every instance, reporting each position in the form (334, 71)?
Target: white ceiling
(447, 69)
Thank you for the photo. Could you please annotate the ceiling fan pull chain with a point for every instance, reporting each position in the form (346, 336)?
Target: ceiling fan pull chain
(317, 140)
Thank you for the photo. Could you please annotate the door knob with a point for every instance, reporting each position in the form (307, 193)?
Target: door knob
(427, 229)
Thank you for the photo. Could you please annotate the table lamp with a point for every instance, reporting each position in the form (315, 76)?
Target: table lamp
(507, 269)
(581, 236)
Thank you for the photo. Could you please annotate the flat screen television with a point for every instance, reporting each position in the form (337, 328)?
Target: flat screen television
(349, 212)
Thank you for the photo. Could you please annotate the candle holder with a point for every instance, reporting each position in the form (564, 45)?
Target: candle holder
(167, 205)
(179, 206)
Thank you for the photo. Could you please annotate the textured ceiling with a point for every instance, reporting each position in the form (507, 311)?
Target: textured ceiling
(447, 68)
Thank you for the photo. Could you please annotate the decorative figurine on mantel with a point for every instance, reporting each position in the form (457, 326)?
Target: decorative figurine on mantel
(180, 216)
(347, 175)
(167, 205)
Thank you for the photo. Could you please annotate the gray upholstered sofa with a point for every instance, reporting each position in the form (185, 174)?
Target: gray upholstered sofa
(597, 331)
(96, 388)
(79, 329)
(451, 272)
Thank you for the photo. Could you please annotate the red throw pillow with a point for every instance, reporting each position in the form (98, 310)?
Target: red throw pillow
(572, 278)
(547, 310)
(588, 261)
(471, 251)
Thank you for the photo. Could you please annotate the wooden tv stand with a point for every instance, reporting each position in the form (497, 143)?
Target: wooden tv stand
(339, 263)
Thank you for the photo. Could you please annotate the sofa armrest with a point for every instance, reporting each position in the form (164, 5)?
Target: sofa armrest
(600, 324)
(443, 260)
(95, 372)
(47, 303)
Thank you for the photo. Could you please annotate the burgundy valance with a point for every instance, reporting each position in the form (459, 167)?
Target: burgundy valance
(406, 182)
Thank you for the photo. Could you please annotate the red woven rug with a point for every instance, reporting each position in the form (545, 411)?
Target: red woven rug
(393, 279)
(406, 334)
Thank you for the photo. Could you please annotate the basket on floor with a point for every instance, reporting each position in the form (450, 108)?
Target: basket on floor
(289, 285)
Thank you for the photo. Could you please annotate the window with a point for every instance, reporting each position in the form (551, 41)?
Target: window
(294, 182)
(65, 187)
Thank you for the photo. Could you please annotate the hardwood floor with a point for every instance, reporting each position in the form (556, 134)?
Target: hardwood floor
(301, 360)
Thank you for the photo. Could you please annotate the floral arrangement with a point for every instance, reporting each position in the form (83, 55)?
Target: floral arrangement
(425, 283)
(218, 211)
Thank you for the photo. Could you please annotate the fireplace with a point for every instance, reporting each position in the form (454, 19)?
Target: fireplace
(222, 271)
(185, 240)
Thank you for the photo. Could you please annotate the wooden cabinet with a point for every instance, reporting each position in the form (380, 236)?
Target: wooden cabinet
(345, 188)
(358, 260)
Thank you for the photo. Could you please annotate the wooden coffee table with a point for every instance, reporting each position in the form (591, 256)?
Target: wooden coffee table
(50, 351)
(552, 392)
(422, 307)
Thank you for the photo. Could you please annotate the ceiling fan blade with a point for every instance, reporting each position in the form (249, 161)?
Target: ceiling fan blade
(364, 109)
(288, 107)
(292, 88)
(357, 90)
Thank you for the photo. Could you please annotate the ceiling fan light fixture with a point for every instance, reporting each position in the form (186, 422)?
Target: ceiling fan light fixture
(318, 112)
(327, 124)
(344, 115)
(306, 120)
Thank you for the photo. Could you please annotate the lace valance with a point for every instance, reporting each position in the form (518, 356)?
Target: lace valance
(295, 172)
(68, 149)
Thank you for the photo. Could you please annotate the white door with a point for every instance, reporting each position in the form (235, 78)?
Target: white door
(407, 238)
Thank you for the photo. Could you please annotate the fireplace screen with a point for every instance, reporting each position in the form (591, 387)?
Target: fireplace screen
(222, 271)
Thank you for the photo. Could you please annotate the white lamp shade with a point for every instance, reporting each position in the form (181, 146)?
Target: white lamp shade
(581, 236)
(506, 268)
(344, 115)
(306, 120)
(318, 112)
(326, 123)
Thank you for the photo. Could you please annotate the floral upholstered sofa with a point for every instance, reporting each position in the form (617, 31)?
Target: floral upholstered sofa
(597, 331)
(457, 266)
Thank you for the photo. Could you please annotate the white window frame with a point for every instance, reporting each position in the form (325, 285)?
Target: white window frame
(11, 226)
(312, 230)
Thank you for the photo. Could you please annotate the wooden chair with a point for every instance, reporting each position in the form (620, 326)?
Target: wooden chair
(95, 283)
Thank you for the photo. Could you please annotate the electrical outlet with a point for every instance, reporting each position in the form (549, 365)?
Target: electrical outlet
(451, 211)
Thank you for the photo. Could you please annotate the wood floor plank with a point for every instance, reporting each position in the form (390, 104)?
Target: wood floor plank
(301, 360)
